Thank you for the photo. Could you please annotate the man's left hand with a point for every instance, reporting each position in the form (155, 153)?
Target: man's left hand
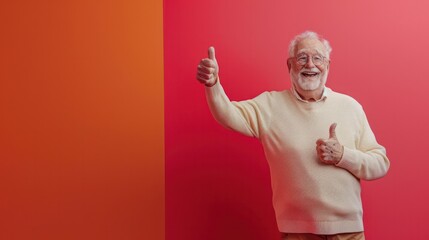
(330, 151)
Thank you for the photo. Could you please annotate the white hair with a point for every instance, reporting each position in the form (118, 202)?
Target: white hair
(305, 35)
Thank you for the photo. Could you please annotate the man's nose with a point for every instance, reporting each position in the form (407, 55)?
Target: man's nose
(309, 63)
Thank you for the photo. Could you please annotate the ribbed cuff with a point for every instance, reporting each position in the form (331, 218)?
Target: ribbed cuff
(348, 159)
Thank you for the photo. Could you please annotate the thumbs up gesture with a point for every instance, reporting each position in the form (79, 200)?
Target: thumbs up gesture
(330, 151)
(208, 69)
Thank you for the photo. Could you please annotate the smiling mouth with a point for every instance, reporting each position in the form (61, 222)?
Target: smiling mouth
(310, 74)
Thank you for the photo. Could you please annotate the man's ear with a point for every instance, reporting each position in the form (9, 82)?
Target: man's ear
(288, 65)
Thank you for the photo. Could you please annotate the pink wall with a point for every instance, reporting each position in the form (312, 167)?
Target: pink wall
(217, 181)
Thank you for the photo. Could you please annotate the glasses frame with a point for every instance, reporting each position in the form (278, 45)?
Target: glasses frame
(324, 59)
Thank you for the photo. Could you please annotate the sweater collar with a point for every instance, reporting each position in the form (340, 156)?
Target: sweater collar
(326, 92)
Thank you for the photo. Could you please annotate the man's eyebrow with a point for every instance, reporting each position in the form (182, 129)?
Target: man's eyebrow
(301, 51)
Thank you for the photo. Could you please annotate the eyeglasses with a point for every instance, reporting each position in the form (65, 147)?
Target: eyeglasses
(317, 59)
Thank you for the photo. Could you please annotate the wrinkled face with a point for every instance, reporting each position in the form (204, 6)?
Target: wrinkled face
(309, 77)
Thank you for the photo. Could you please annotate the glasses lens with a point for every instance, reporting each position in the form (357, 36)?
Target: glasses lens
(317, 60)
(303, 59)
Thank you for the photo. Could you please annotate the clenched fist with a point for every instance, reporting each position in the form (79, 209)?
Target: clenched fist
(330, 151)
(208, 69)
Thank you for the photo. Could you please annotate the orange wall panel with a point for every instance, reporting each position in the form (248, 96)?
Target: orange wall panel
(81, 124)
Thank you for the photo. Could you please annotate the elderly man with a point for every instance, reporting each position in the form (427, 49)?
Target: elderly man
(315, 167)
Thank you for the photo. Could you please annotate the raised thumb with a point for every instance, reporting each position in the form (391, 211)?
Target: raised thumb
(212, 53)
(332, 133)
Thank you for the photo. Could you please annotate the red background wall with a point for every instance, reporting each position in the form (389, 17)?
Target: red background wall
(81, 120)
(217, 182)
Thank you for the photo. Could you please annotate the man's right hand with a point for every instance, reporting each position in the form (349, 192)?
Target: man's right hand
(208, 69)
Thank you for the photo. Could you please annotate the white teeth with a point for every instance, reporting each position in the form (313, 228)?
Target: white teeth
(309, 74)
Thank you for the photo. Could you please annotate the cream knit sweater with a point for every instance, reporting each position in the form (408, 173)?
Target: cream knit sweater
(308, 196)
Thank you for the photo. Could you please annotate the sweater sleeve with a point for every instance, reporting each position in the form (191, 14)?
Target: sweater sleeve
(368, 161)
(243, 116)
